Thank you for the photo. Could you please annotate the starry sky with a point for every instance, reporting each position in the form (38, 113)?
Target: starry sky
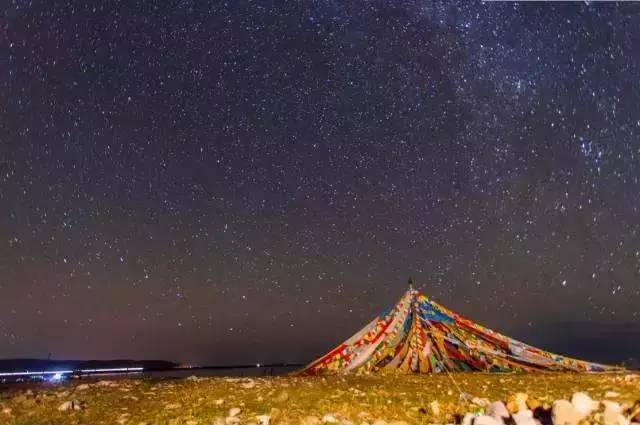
(253, 181)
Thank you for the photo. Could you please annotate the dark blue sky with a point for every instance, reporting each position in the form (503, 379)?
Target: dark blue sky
(253, 181)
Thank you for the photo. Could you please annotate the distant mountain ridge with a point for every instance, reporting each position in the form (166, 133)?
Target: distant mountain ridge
(20, 365)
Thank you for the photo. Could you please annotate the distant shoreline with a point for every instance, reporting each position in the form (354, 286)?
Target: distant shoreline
(39, 370)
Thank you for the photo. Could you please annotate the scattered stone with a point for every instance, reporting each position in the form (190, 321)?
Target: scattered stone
(379, 422)
(468, 419)
(524, 417)
(191, 422)
(218, 402)
(232, 420)
(584, 404)
(123, 418)
(71, 405)
(612, 405)
(172, 406)
(67, 405)
(611, 394)
(434, 407)
(497, 410)
(6, 410)
(234, 411)
(82, 387)
(263, 419)
(613, 415)
(329, 419)
(564, 413)
(485, 420)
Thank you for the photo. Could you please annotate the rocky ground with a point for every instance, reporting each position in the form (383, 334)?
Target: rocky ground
(473, 399)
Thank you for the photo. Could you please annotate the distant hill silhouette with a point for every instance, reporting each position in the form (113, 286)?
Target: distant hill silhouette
(19, 365)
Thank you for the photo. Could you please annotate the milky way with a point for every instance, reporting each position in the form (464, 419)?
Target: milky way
(253, 181)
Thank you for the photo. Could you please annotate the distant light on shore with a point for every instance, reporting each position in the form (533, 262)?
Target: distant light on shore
(60, 373)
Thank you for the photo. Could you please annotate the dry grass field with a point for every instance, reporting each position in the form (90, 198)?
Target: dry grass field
(293, 400)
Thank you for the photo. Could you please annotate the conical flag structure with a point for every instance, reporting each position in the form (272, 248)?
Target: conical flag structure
(419, 335)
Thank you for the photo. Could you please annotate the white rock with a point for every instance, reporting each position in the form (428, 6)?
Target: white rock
(525, 417)
(234, 411)
(82, 387)
(486, 420)
(613, 415)
(612, 405)
(468, 419)
(584, 404)
(67, 405)
(329, 419)
(564, 413)
(434, 406)
(191, 422)
(218, 402)
(525, 413)
(6, 410)
(497, 410)
(232, 420)
(611, 394)
(264, 419)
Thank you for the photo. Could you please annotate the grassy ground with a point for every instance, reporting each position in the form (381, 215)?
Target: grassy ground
(289, 400)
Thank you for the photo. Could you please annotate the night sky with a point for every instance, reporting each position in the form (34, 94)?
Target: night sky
(246, 182)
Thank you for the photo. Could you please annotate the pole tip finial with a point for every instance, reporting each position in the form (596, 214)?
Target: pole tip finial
(410, 283)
